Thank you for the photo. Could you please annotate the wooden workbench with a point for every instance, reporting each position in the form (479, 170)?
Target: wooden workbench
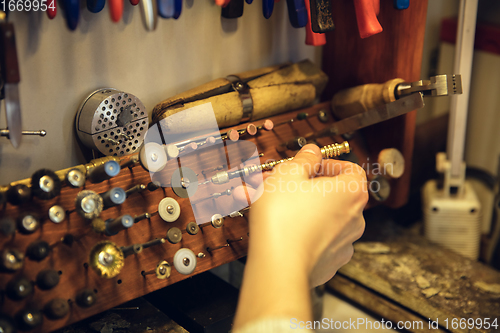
(399, 275)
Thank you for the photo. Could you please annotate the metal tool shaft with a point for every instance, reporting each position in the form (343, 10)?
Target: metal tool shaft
(6, 132)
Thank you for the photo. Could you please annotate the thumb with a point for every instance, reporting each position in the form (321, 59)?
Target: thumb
(307, 161)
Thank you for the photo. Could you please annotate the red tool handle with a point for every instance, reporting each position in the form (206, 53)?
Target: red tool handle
(368, 24)
(134, 2)
(52, 10)
(376, 5)
(312, 38)
(222, 3)
(116, 10)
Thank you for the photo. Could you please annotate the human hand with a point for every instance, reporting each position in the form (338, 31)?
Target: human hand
(301, 232)
(310, 212)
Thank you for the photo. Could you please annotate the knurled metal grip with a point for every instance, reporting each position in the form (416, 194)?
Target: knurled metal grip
(335, 150)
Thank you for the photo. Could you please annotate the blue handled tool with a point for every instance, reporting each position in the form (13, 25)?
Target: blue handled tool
(267, 8)
(177, 8)
(169, 8)
(401, 4)
(249, 1)
(95, 6)
(297, 13)
(72, 11)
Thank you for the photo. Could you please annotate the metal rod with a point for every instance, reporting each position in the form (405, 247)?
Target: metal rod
(229, 241)
(463, 65)
(5, 132)
(210, 249)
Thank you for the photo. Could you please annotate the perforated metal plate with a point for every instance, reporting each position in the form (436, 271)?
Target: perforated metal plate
(112, 122)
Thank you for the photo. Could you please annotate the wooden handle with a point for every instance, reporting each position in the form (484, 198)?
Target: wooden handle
(359, 99)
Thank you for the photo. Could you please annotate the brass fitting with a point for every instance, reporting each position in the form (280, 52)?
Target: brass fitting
(335, 150)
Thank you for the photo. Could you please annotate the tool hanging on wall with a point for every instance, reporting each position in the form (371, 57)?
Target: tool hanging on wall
(149, 14)
(52, 10)
(312, 38)
(401, 4)
(134, 2)
(95, 6)
(222, 3)
(247, 96)
(72, 13)
(234, 9)
(112, 122)
(297, 13)
(267, 8)
(366, 16)
(321, 16)
(169, 8)
(10, 77)
(116, 10)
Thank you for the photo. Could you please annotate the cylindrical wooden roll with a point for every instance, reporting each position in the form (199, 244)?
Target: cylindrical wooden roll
(228, 109)
(273, 90)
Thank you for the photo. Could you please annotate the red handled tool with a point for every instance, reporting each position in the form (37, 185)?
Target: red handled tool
(222, 3)
(368, 24)
(52, 9)
(134, 2)
(116, 10)
(376, 5)
(312, 38)
(321, 16)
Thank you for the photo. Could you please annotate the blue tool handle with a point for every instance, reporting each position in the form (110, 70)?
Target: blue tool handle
(95, 6)
(267, 8)
(401, 4)
(297, 13)
(72, 10)
(166, 8)
(249, 1)
(177, 8)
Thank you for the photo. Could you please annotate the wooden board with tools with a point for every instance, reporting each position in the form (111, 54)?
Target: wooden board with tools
(59, 267)
(81, 240)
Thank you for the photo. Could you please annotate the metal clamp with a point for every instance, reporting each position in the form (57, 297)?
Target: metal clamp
(439, 85)
(246, 98)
